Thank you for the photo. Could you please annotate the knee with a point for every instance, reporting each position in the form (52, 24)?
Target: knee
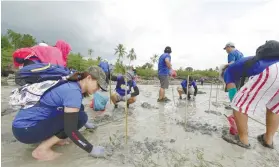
(83, 118)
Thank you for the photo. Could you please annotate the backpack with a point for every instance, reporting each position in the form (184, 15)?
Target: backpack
(268, 51)
(38, 72)
(30, 94)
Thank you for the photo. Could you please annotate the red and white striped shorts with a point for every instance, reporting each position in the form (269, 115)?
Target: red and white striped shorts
(259, 93)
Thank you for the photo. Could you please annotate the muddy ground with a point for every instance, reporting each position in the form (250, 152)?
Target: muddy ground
(157, 135)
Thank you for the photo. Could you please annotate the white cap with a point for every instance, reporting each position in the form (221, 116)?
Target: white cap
(43, 44)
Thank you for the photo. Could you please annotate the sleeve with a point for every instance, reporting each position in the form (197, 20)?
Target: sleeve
(228, 76)
(70, 129)
(168, 58)
(231, 57)
(71, 98)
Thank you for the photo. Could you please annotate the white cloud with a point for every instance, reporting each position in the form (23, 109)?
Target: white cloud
(196, 30)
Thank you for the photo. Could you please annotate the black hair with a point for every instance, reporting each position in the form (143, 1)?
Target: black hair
(167, 49)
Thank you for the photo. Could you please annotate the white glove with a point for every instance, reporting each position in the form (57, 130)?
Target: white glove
(89, 125)
(123, 98)
(98, 152)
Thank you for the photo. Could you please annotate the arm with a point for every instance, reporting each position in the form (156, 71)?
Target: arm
(113, 78)
(136, 91)
(196, 90)
(195, 87)
(70, 127)
(167, 60)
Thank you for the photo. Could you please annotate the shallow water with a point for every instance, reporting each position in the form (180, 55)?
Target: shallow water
(157, 135)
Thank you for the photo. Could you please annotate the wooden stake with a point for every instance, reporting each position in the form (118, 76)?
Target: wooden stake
(210, 97)
(126, 109)
(186, 108)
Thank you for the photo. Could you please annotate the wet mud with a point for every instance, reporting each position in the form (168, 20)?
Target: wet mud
(173, 134)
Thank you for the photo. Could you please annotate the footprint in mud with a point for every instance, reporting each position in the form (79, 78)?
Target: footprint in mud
(213, 112)
(201, 92)
(8, 138)
(149, 106)
(143, 153)
(192, 126)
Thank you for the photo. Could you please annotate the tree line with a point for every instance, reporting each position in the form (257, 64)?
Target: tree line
(11, 40)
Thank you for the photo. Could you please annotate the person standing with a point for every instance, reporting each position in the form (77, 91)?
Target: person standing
(234, 55)
(105, 67)
(164, 67)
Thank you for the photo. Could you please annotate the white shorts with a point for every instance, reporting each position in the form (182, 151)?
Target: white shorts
(259, 93)
(190, 91)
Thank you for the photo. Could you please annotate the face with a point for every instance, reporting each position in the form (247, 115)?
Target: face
(91, 85)
(228, 49)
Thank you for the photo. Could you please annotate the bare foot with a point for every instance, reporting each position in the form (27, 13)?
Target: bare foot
(63, 142)
(45, 155)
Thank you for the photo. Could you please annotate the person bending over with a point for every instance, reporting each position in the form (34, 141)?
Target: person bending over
(183, 88)
(105, 67)
(59, 114)
(119, 94)
(262, 89)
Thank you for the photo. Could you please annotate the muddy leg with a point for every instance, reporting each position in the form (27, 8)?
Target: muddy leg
(43, 151)
(114, 98)
(242, 127)
(161, 93)
(272, 123)
(131, 100)
(180, 93)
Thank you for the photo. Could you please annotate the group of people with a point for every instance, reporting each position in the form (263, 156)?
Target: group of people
(58, 113)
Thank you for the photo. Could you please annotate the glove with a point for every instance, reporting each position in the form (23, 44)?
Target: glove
(123, 98)
(98, 152)
(90, 125)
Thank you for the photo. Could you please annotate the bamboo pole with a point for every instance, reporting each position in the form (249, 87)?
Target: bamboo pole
(186, 107)
(126, 108)
(210, 97)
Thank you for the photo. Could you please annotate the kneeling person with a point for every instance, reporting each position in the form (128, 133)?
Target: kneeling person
(119, 94)
(183, 89)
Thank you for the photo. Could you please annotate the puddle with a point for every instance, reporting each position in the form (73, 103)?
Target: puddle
(157, 135)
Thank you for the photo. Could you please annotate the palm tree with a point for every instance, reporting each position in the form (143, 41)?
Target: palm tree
(99, 59)
(132, 55)
(90, 51)
(120, 50)
(154, 59)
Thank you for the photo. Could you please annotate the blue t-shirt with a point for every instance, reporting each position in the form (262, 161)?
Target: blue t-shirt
(162, 66)
(184, 84)
(235, 71)
(120, 86)
(104, 66)
(235, 55)
(66, 95)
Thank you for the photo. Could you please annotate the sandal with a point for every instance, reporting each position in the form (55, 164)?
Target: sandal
(263, 142)
(234, 139)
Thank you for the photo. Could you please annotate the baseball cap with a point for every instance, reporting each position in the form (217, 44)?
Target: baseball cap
(130, 75)
(167, 49)
(99, 75)
(229, 44)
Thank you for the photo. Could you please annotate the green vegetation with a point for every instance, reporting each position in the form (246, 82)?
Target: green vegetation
(13, 40)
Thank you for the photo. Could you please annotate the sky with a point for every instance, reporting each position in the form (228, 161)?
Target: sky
(196, 30)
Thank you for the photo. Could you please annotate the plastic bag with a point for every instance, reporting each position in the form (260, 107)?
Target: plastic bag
(233, 128)
(99, 102)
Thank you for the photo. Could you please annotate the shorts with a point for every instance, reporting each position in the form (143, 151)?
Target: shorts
(164, 81)
(260, 92)
(118, 97)
(190, 91)
(47, 128)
